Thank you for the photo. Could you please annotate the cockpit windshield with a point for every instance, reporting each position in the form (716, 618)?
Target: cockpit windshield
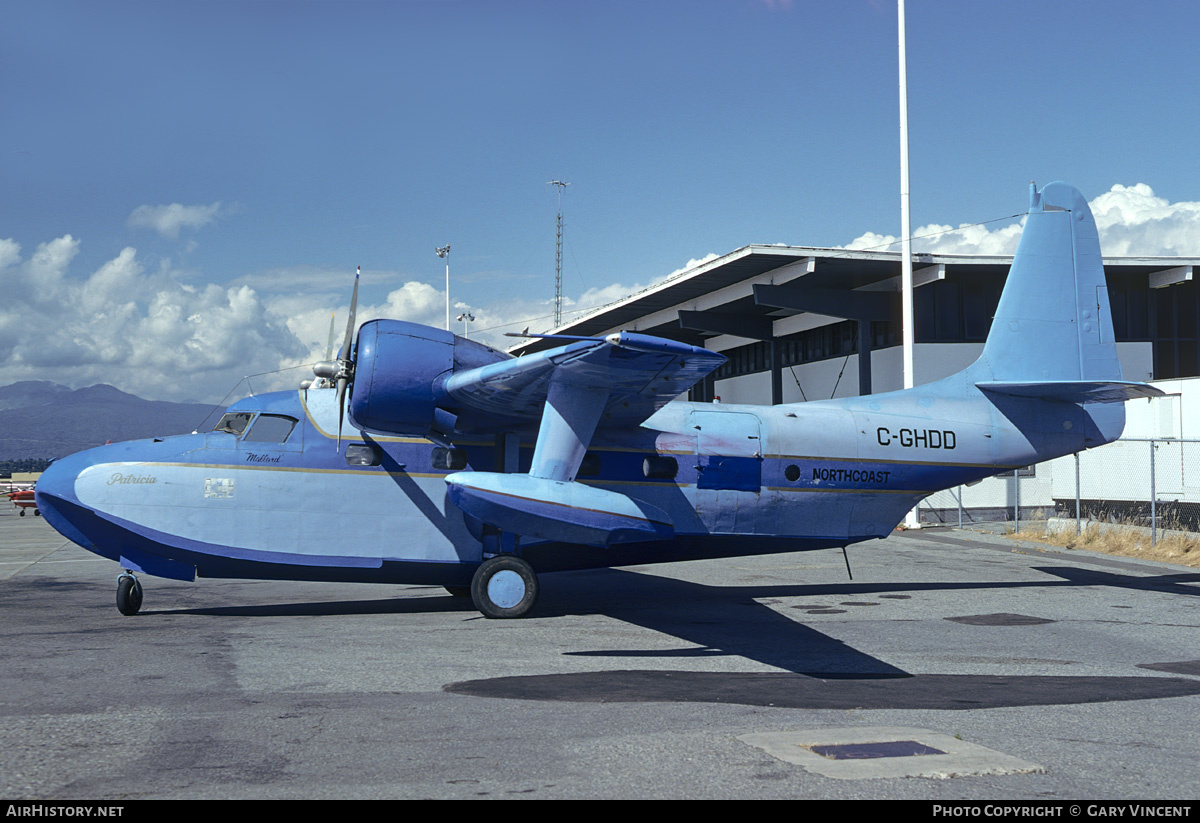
(233, 422)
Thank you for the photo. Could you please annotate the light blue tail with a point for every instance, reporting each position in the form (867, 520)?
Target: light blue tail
(1052, 336)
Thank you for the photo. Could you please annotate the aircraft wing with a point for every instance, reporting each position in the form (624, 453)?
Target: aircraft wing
(639, 373)
(620, 379)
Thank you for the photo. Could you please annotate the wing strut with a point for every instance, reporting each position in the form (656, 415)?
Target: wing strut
(547, 503)
(568, 423)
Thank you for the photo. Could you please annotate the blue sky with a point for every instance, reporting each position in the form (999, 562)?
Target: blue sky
(188, 186)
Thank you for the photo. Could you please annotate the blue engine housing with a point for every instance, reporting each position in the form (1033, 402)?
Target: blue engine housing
(399, 371)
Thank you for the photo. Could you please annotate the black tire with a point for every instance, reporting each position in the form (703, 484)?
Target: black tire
(21, 512)
(459, 591)
(504, 587)
(129, 595)
(37, 512)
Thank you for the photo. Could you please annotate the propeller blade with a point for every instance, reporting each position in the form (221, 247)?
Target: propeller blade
(344, 353)
(345, 367)
(329, 345)
(341, 404)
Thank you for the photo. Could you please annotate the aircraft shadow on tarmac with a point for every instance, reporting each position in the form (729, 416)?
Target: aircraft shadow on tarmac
(818, 671)
(821, 672)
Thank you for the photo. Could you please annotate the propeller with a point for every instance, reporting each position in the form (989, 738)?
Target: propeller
(341, 371)
(345, 366)
(322, 382)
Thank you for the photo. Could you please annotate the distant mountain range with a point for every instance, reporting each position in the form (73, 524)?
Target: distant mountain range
(43, 419)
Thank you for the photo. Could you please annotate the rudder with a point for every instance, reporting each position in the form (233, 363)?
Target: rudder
(1053, 323)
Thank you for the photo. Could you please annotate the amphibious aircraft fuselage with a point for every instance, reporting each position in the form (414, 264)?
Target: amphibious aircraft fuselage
(457, 465)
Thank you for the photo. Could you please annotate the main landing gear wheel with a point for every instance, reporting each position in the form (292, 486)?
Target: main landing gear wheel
(504, 586)
(129, 595)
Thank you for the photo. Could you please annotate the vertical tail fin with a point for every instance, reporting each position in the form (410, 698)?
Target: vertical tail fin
(1053, 321)
(1052, 336)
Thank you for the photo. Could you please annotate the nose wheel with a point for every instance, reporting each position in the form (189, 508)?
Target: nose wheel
(504, 587)
(129, 594)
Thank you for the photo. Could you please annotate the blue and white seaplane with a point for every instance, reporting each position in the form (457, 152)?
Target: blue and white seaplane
(433, 459)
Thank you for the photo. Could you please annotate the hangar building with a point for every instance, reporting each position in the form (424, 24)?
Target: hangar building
(800, 323)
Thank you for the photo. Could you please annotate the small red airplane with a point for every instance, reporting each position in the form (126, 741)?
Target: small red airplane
(23, 499)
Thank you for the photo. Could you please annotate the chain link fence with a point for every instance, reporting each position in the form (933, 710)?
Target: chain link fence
(1154, 483)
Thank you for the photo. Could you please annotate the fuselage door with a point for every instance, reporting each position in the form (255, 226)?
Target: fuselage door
(729, 450)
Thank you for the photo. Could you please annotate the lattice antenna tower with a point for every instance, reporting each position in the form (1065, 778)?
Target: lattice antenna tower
(558, 256)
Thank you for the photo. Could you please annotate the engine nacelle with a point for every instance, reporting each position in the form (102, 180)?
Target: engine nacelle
(398, 375)
(396, 366)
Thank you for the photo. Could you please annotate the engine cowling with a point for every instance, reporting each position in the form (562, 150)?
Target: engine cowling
(396, 366)
(398, 374)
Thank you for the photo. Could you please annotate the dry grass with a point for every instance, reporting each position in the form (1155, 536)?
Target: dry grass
(1128, 541)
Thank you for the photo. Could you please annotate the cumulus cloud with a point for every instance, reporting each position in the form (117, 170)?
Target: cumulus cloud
(1132, 221)
(10, 252)
(941, 239)
(168, 221)
(691, 264)
(420, 302)
(146, 333)
(146, 330)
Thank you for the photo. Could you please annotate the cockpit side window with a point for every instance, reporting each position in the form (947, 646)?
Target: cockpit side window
(270, 428)
(233, 422)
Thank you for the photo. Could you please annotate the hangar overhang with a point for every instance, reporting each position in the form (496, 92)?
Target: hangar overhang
(768, 292)
(727, 284)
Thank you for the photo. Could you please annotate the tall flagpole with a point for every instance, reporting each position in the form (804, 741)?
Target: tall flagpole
(906, 274)
(912, 520)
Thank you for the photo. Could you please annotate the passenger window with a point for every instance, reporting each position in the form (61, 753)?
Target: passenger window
(233, 422)
(270, 428)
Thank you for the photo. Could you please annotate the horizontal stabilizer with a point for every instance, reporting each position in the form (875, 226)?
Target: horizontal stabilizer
(557, 510)
(1075, 391)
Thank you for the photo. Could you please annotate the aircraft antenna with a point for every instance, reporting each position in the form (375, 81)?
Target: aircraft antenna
(558, 255)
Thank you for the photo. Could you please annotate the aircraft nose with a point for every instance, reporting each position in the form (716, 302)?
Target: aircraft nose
(56, 500)
(57, 482)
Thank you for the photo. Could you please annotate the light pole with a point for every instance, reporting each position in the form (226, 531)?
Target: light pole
(444, 251)
(466, 317)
